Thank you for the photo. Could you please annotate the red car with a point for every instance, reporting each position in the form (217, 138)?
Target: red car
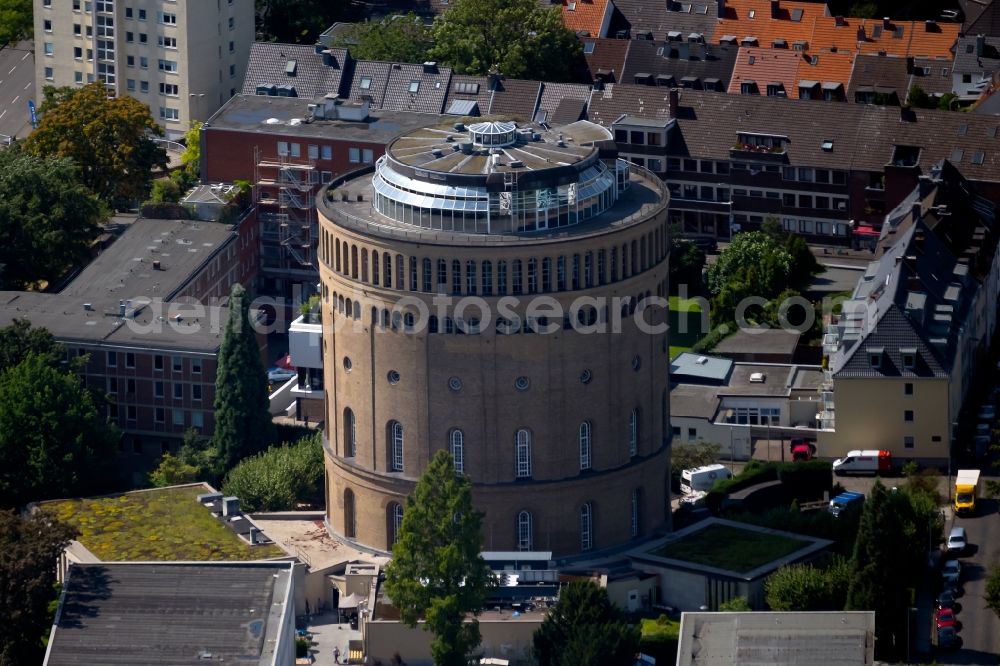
(945, 617)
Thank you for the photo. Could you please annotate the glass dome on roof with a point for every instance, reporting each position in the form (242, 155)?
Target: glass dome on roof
(493, 133)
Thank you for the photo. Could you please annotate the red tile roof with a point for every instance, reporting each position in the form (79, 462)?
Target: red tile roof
(752, 18)
(898, 38)
(829, 67)
(607, 55)
(587, 15)
(766, 66)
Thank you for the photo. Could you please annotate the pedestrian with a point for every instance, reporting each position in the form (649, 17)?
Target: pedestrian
(336, 655)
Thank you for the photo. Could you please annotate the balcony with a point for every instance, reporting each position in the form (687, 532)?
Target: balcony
(761, 153)
(305, 342)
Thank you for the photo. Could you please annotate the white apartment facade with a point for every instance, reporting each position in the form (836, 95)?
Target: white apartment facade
(182, 58)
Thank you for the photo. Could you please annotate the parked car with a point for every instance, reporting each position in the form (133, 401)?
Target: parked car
(948, 638)
(945, 617)
(953, 587)
(948, 599)
(280, 375)
(957, 541)
(951, 572)
(987, 413)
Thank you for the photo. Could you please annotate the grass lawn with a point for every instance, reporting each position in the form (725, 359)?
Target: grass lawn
(730, 548)
(659, 629)
(154, 525)
(674, 351)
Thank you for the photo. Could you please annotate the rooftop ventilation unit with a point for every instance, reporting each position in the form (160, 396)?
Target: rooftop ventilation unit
(757, 377)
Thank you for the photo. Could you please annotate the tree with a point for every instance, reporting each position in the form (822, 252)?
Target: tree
(437, 573)
(992, 595)
(585, 629)
(20, 339)
(516, 38)
(47, 219)
(280, 478)
(687, 261)
(803, 587)
(16, 22)
(394, 38)
(172, 471)
(697, 454)
(165, 190)
(109, 138)
(300, 21)
(735, 605)
(30, 548)
(919, 99)
(754, 256)
(242, 421)
(53, 440)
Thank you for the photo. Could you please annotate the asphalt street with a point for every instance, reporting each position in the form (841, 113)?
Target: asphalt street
(17, 86)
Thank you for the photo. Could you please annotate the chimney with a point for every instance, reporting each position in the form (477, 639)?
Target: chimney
(861, 34)
(775, 8)
(930, 25)
(230, 506)
(121, 308)
(156, 265)
(906, 114)
(329, 60)
(430, 67)
(494, 80)
(886, 23)
(980, 45)
(721, 4)
(840, 21)
(673, 101)
(319, 49)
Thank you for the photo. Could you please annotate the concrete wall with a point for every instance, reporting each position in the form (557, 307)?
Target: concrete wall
(507, 639)
(632, 593)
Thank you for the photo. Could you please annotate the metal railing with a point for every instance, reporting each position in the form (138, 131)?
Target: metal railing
(169, 145)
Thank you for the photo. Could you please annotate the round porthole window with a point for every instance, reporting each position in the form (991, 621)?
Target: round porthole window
(522, 383)
(586, 376)
(393, 377)
(636, 362)
(347, 363)
(455, 384)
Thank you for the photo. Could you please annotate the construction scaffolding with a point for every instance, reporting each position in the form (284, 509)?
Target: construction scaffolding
(284, 191)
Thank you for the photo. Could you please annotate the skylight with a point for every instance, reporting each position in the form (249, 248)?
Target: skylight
(414, 86)
(797, 15)
(366, 82)
(751, 13)
(827, 145)
(978, 157)
(588, 47)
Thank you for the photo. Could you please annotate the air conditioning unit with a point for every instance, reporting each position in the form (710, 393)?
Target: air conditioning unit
(757, 377)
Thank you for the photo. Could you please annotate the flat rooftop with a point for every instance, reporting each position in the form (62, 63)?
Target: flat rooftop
(166, 524)
(265, 114)
(88, 309)
(831, 638)
(759, 341)
(643, 198)
(701, 367)
(171, 614)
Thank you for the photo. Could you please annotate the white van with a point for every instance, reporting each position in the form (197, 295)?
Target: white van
(864, 462)
(702, 478)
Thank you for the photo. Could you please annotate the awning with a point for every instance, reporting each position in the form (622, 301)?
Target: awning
(350, 601)
(832, 85)
(808, 84)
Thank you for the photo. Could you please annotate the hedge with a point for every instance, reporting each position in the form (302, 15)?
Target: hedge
(804, 481)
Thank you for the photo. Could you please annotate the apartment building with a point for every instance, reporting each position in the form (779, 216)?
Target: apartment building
(182, 58)
(901, 357)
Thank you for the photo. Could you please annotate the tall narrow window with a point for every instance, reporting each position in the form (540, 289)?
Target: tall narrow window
(588, 270)
(350, 433)
(523, 453)
(635, 513)
(395, 446)
(515, 278)
(633, 432)
(375, 267)
(561, 274)
(426, 275)
(442, 278)
(524, 540)
(547, 274)
(413, 273)
(349, 524)
(394, 518)
(487, 278)
(585, 439)
(456, 277)
(501, 278)
(458, 450)
(470, 277)
(532, 276)
(387, 269)
(586, 526)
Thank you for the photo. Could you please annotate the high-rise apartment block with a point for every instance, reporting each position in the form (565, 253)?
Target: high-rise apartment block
(183, 58)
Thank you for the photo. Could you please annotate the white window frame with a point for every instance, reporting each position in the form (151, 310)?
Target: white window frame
(457, 445)
(523, 453)
(586, 526)
(397, 521)
(396, 436)
(351, 428)
(585, 439)
(524, 531)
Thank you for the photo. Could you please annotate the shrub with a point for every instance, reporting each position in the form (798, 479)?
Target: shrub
(279, 478)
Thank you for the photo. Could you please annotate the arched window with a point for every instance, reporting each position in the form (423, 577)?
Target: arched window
(375, 267)
(585, 439)
(456, 277)
(350, 433)
(457, 446)
(394, 523)
(524, 531)
(336, 252)
(532, 276)
(413, 273)
(387, 269)
(523, 445)
(561, 274)
(515, 277)
(426, 276)
(349, 524)
(547, 274)
(635, 512)
(586, 526)
(470, 277)
(442, 276)
(400, 280)
(633, 433)
(395, 446)
(432, 324)
(487, 270)
(588, 270)
(501, 278)
(364, 265)
(354, 262)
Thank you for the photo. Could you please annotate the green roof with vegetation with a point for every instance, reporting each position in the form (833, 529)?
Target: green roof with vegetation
(167, 524)
(730, 548)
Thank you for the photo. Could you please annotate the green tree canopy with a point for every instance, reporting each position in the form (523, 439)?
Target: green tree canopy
(992, 595)
(53, 440)
(437, 573)
(20, 339)
(804, 587)
(47, 219)
(109, 139)
(242, 421)
(394, 38)
(280, 478)
(16, 22)
(585, 629)
(173, 470)
(300, 21)
(30, 548)
(517, 38)
(686, 263)
(694, 454)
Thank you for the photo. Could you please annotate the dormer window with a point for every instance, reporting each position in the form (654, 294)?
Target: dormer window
(875, 355)
(909, 355)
